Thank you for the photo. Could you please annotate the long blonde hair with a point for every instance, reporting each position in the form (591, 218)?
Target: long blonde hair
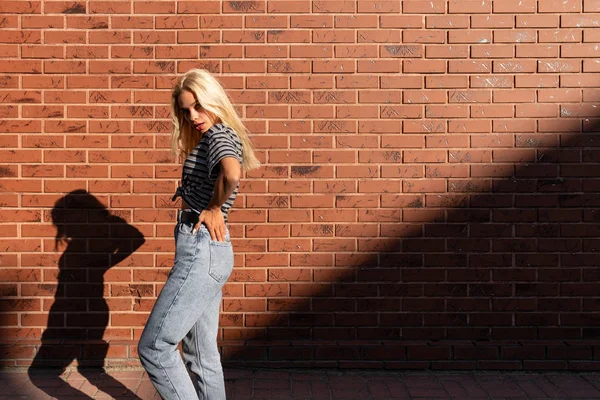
(213, 98)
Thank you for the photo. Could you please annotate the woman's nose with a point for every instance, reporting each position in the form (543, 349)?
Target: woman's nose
(194, 115)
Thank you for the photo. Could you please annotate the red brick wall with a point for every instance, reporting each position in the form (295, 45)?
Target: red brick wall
(429, 197)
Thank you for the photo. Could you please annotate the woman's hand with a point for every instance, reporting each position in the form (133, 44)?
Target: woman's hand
(213, 219)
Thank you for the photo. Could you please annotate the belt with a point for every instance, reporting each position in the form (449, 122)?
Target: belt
(187, 216)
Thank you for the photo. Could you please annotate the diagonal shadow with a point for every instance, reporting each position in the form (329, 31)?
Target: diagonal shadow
(94, 240)
(505, 258)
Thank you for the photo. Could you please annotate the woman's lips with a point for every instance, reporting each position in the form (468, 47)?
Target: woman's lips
(199, 126)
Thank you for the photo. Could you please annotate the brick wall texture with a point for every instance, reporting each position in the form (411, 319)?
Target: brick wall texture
(430, 195)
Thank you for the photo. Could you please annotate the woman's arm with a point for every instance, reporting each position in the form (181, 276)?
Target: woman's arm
(228, 180)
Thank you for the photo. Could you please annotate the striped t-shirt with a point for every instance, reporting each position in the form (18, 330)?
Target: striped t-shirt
(201, 168)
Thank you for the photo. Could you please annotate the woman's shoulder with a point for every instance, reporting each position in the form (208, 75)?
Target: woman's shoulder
(220, 130)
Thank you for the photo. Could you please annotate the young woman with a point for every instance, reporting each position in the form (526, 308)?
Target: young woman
(212, 139)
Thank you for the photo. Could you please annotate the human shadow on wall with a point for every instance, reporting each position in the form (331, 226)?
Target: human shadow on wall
(95, 241)
(505, 254)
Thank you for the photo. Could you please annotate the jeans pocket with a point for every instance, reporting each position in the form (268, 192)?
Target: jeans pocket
(221, 260)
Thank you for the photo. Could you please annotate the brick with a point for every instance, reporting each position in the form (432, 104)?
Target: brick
(448, 111)
(588, 96)
(423, 127)
(439, 22)
(471, 96)
(514, 6)
(516, 36)
(333, 36)
(591, 6)
(379, 6)
(425, 97)
(554, 6)
(333, 66)
(472, 36)
(277, 36)
(578, 50)
(537, 21)
(423, 36)
(478, 81)
(470, 7)
(469, 66)
(338, 7)
(547, 66)
(355, 51)
(311, 51)
(536, 110)
(293, 66)
(402, 51)
(358, 21)
(433, 7)
(560, 35)
(445, 82)
(538, 51)
(492, 21)
(19, 7)
(364, 82)
(548, 81)
(424, 66)
(340, 97)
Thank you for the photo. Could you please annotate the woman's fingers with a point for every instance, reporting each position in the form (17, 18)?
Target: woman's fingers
(215, 225)
(220, 232)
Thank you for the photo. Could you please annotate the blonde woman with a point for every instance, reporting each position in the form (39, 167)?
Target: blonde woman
(211, 138)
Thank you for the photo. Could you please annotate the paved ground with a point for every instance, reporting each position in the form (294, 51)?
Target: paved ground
(313, 385)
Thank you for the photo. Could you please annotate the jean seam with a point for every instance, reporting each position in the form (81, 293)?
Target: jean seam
(199, 360)
(164, 371)
(162, 322)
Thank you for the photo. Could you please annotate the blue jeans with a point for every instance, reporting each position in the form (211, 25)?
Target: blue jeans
(187, 310)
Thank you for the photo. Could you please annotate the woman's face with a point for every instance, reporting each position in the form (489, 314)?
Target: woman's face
(193, 111)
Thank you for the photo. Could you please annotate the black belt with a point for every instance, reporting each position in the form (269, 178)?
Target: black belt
(186, 216)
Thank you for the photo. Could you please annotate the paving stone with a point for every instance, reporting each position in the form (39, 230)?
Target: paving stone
(305, 384)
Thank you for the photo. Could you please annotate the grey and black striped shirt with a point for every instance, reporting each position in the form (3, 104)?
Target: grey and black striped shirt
(201, 168)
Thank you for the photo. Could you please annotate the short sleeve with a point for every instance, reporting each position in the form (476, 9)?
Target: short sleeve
(220, 145)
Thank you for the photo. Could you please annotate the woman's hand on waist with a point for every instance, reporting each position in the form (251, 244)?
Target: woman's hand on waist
(215, 223)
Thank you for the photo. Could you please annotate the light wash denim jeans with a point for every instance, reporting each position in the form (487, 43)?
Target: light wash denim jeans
(187, 310)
